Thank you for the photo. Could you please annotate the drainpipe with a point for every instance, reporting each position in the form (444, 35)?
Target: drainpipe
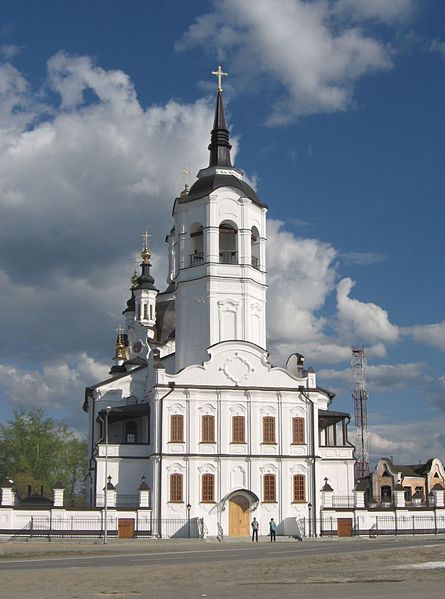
(314, 483)
(159, 481)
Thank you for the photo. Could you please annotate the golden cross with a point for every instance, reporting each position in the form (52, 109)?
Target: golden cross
(185, 172)
(145, 237)
(219, 73)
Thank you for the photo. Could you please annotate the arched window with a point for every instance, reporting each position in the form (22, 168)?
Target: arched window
(269, 494)
(228, 243)
(131, 429)
(208, 488)
(299, 488)
(196, 244)
(176, 488)
(255, 248)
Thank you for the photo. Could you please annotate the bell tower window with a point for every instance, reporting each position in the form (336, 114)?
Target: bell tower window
(196, 245)
(255, 248)
(228, 243)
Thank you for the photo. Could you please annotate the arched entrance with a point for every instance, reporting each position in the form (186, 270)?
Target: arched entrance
(239, 516)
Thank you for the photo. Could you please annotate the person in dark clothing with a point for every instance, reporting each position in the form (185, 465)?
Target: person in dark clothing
(272, 530)
(255, 526)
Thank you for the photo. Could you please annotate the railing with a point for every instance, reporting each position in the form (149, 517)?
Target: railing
(121, 500)
(196, 258)
(255, 262)
(342, 502)
(228, 257)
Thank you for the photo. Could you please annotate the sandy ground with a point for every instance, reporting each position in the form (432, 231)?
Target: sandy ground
(385, 573)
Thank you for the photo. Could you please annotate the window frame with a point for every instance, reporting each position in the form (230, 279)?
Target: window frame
(236, 436)
(269, 488)
(298, 430)
(177, 428)
(208, 428)
(176, 488)
(269, 430)
(208, 488)
(299, 488)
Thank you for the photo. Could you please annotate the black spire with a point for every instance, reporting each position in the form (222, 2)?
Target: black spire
(219, 142)
(145, 280)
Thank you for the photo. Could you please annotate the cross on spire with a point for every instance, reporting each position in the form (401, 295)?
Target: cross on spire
(219, 73)
(145, 254)
(185, 173)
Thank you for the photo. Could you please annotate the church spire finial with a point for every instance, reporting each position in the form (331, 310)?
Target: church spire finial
(219, 73)
(145, 254)
(219, 142)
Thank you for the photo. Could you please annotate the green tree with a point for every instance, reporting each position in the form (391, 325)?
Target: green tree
(38, 451)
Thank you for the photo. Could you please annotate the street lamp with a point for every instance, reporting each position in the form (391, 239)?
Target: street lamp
(189, 507)
(107, 412)
(309, 505)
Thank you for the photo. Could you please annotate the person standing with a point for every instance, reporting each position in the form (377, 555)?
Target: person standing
(273, 530)
(255, 527)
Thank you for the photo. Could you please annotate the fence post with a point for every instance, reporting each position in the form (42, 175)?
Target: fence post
(32, 525)
(414, 530)
(376, 525)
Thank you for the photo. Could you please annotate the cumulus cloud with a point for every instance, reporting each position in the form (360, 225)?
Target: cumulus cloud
(312, 57)
(68, 176)
(429, 334)
(301, 274)
(58, 385)
(381, 378)
(360, 320)
(406, 442)
(380, 10)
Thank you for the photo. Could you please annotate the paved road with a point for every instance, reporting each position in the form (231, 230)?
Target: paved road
(197, 554)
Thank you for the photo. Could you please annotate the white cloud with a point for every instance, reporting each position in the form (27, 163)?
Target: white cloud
(429, 334)
(361, 258)
(381, 378)
(299, 46)
(387, 11)
(406, 442)
(54, 386)
(360, 321)
(301, 273)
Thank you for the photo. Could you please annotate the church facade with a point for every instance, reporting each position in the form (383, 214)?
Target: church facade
(193, 407)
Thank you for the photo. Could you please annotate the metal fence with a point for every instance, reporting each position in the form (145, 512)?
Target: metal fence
(378, 525)
(78, 527)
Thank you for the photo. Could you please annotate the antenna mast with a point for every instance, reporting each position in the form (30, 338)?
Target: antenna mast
(360, 397)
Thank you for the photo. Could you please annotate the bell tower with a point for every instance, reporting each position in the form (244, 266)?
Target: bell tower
(219, 254)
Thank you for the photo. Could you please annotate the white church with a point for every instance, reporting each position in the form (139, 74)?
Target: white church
(197, 415)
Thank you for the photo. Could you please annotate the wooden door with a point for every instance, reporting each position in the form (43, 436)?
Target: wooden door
(125, 528)
(239, 520)
(344, 527)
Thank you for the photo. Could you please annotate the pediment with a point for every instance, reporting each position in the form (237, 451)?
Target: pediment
(237, 363)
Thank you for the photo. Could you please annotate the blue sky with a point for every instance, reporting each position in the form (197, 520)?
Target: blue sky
(336, 114)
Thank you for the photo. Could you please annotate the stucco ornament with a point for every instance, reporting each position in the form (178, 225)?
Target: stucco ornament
(237, 369)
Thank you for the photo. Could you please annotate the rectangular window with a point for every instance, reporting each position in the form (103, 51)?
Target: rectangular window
(298, 431)
(208, 429)
(269, 488)
(268, 429)
(208, 488)
(299, 488)
(238, 429)
(145, 311)
(177, 429)
(176, 488)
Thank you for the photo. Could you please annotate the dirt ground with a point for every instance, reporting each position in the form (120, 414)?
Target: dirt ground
(384, 573)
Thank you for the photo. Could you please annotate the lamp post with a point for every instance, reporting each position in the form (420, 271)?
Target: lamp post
(309, 505)
(189, 507)
(107, 412)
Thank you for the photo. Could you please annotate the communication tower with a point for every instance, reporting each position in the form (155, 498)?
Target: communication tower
(360, 397)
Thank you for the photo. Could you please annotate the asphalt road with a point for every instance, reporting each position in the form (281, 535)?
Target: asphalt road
(207, 553)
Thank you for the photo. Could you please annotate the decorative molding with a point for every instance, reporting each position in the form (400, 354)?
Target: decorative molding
(237, 369)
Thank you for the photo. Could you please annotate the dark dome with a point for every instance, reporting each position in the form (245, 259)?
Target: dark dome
(204, 186)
